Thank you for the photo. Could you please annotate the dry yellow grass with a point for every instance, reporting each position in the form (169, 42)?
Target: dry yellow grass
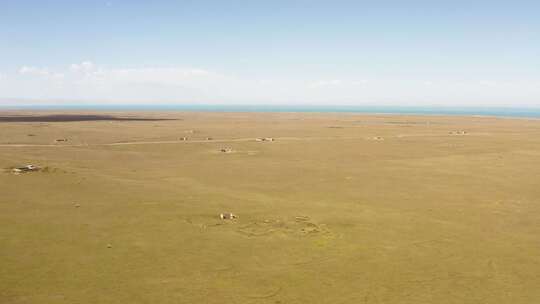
(340, 208)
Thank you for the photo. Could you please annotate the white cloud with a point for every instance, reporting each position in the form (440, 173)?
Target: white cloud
(89, 74)
(155, 75)
(362, 82)
(84, 67)
(337, 83)
(41, 72)
(30, 70)
(326, 83)
(488, 83)
(92, 81)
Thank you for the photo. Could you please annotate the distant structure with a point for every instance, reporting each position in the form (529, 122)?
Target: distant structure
(24, 169)
(183, 138)
(209, 138)
(264, 139)
(459, 132)
(225, 150)
(61, 140)
(227, 216)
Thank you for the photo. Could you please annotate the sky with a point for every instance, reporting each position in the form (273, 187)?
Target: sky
(407, 53)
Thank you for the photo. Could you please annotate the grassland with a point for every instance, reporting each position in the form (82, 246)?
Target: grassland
(340, 208)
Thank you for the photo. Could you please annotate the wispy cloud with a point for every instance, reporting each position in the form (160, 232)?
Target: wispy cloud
(326, 83)
(88, 80)
(84, 67)
(30, 70)
(488, 83)
(87, 72)
(337, 83)
(91, 80)
(41, 72)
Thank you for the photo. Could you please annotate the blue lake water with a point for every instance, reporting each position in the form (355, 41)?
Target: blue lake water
(424, 110)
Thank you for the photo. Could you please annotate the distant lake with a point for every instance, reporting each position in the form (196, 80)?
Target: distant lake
(424, 110)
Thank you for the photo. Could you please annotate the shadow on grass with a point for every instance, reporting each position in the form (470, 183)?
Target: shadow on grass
(74, 118)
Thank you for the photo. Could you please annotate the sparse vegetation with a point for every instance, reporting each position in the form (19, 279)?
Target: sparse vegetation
(324, 215)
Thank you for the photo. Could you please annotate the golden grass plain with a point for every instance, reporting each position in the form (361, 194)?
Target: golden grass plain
(340, 208)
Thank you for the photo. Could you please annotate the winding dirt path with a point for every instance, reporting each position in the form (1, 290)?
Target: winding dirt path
(127, 143)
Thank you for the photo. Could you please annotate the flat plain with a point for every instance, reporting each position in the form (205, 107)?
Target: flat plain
(338, 208)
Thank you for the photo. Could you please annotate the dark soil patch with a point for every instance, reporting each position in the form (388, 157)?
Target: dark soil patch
(73, 118)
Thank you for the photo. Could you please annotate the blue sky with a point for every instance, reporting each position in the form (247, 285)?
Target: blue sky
(271, 52)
